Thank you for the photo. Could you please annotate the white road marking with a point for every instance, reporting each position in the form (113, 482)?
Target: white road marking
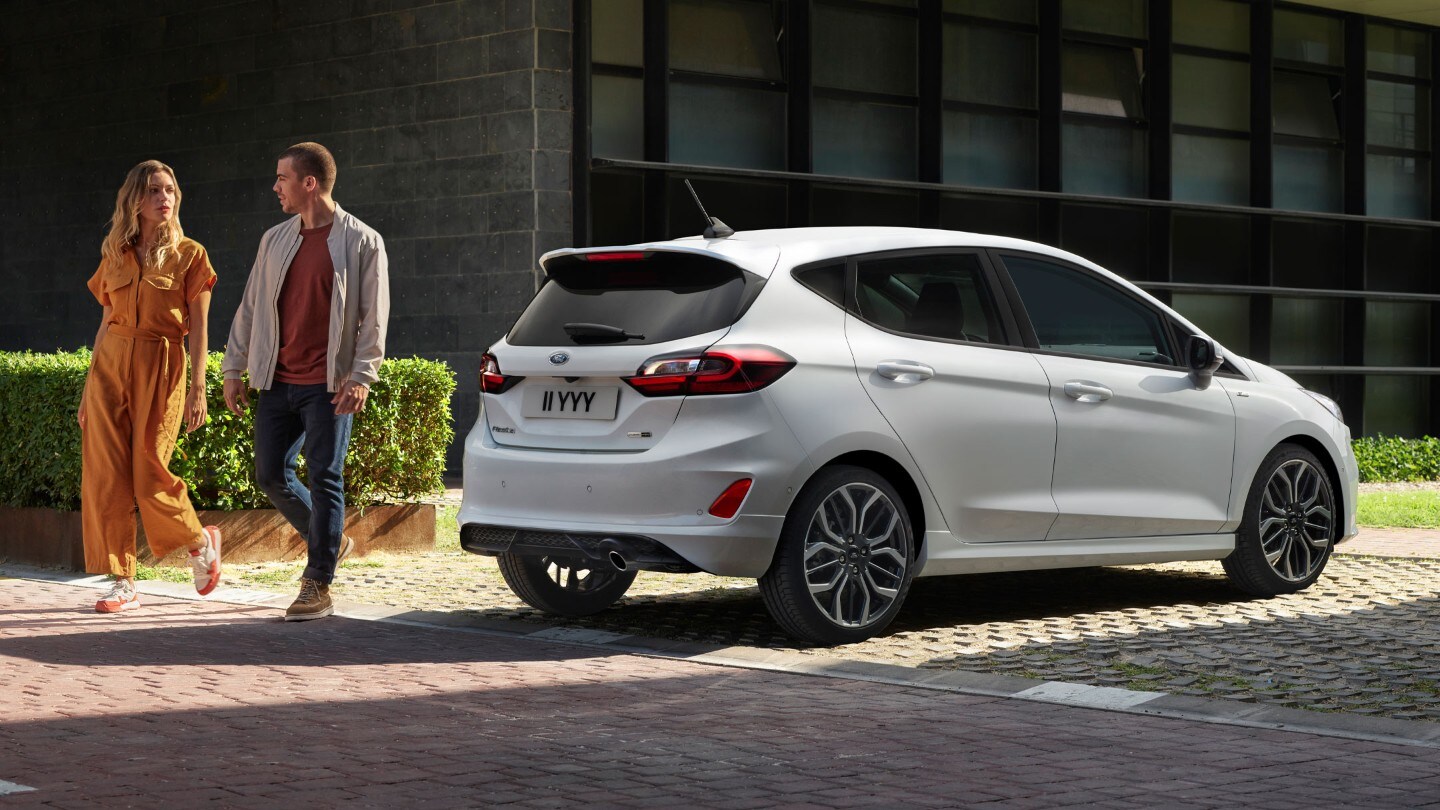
(1095, 697)
(6, 788)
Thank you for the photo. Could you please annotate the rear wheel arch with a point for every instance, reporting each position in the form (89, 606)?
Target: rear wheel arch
(892, 471)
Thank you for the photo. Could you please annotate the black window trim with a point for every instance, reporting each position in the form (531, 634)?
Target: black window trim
(1027, 329)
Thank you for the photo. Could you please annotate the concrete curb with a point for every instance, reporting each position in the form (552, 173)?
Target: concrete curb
(1153, 704)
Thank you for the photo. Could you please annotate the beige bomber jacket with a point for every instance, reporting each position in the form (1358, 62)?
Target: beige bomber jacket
(359, 305)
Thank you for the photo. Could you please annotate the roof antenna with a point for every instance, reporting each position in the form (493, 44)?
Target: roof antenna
(714, 228)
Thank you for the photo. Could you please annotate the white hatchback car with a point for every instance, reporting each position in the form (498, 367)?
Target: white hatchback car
(835, 411)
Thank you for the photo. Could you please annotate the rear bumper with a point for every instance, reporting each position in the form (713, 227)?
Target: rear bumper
(623, 552)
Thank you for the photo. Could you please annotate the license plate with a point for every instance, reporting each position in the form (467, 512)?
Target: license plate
(570, 402)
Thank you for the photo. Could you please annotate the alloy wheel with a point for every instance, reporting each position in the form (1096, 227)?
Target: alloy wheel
(857, 554)
(1297, 520)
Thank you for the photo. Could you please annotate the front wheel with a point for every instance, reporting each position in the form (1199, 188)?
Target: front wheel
(845, 559)
(1289, 527)
(563, 586)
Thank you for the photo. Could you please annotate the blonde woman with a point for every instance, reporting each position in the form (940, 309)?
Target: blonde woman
(154, 285)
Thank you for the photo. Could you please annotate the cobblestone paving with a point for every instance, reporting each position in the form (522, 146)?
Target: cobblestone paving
(1365, 639)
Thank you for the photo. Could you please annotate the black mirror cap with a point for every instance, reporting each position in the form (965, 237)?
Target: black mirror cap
(1202, 356)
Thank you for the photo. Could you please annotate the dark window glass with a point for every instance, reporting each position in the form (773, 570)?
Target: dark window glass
(1223, 317)
(1397, 115)
(1312, 38)
(872, 51)
(1319, 383)
(1397, 406)
(1075, 313)
(1305, 332)
(1397, 333)
(1103, 159)
(1220, 24)
(864, 139)
(1117, 239)
(1212, 93)
(984, 149)
(827, 281)
(1210, 248)
(618, 117)
(1307, 178)
(941, 296)
(832, 205)
(617, 202)
(725, 37)
(616, 35)
(1305, 105)
(1308, 254)
(1398, 259)
(1102, 80)
(1397, 187)
(1021, 11)
(997, 215)
(1403, 51)
(1123, 18)
(989, 65)
(1210, 170)
(721, 125)
(664, 297)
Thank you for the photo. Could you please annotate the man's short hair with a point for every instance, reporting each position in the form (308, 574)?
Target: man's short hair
(313, 160)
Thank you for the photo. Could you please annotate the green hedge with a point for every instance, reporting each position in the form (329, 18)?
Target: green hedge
(1390, 458)
(397, 445)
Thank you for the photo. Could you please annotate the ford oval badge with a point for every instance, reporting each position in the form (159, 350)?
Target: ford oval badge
(559, 359)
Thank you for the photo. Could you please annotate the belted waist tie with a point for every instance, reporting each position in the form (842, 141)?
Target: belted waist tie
(166, 342)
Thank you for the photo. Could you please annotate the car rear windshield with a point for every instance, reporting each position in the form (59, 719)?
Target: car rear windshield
(634, 299)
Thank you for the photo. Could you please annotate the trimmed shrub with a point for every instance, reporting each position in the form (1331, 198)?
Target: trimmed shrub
(1391, 458)
(397, 445)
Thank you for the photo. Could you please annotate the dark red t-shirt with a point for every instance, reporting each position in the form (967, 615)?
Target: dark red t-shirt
(304, 309)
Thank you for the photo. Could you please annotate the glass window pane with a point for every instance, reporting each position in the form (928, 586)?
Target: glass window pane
(1103, 81)
(727, 37)
(1076, 313)
(1220, 24)
(1397, 115)
(1308, 254)
(714, 125)
(617, 205)
(1305, 105)
(617, 118)
(1210, 248)
(864, 50)
(1305, 332)
(1397, 259)
(1397, 187)
(1022, 11)
(1398, 50)
(1397, 333)
(937, 296)
(1210, 170)
(1223, 317)
(1309, 37)
(1212, 92)
(859, 139)
(998, 215)
(616, 35)
(1307, 178)
(1124, 18)
(990, 150)
(1106, 160)
(989, 65)
(832, 205)
(1113, 237)
(1397, 406)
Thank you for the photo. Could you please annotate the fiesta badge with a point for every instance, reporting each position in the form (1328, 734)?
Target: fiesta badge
(559, 359)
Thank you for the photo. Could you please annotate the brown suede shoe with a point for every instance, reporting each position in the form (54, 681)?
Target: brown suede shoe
(347, 545)
(312, 603)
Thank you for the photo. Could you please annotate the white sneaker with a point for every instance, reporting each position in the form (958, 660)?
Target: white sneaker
(206, 562)
(122, 597)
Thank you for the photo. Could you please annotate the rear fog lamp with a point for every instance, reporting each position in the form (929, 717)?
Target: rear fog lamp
(729, 501)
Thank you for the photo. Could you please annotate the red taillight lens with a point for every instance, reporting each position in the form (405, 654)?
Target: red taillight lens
(731, 370)
(615, 256)
(491, 380)
(729, 501)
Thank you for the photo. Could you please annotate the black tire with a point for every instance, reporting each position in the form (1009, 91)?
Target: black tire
(1285, 539)
(857, 605)
(562, 585)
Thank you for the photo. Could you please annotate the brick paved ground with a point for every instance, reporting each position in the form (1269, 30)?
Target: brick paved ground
(187, 703)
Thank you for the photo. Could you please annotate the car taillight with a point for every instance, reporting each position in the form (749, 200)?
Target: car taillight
(730, 370)
(729, 501)
(491, 380)
(614, 256)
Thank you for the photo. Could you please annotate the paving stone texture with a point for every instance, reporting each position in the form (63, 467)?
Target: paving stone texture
(185, 703)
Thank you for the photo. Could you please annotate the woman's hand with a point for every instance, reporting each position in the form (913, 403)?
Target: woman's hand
(195, 408)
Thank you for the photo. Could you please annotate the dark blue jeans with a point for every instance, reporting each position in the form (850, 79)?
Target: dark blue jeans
(288, 419)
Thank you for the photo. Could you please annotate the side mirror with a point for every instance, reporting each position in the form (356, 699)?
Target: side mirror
(1202, 356)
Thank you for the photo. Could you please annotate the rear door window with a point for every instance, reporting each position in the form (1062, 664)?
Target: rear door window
(932, 296)
(633, 298)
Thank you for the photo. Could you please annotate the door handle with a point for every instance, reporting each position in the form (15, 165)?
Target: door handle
(904, 371)
(1084, 391)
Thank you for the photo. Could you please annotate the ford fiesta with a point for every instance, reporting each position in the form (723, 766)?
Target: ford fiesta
(836, 411)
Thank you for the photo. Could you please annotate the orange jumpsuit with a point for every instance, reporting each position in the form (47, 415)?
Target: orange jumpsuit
(134, 403)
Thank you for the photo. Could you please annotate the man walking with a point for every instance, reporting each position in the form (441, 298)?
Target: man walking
(310, 331)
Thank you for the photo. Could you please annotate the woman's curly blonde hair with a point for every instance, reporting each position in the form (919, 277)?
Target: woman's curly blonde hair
(125, 222)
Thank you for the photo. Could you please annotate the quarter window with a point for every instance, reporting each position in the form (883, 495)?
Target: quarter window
(1075, 313)
(938, 296)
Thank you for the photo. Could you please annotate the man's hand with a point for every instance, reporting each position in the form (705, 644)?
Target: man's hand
(195, 408)
(351, 397)
(237, 399)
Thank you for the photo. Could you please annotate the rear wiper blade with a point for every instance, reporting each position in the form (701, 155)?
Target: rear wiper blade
(599, 331)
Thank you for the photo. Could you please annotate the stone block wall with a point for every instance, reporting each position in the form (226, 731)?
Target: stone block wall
(450, 122)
